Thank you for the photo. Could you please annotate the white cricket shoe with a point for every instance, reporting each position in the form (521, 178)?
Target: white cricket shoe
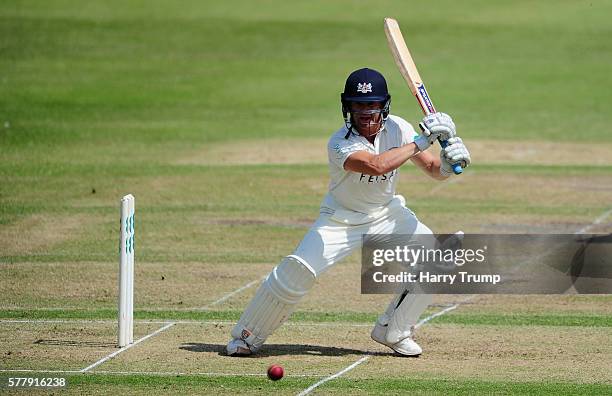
(238, 347)
(405, 347)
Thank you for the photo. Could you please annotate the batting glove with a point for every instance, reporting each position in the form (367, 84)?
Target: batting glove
(455, 152)
(435, 126)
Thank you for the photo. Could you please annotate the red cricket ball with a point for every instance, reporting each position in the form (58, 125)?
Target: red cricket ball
(275, 372)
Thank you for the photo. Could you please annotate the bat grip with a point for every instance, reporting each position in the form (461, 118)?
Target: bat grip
(457, 169)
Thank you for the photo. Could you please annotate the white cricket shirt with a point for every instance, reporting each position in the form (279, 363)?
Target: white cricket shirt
(359, 192)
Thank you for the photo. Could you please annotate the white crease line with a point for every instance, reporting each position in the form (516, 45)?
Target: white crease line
(338, 374)
(442, 312)
(148, 309)
(595, 222)
(233, 293)
(39, 371)
(430, 317)
(188, 322)
(366, 357)
(125, 348)
(43, 321)
(17, 308)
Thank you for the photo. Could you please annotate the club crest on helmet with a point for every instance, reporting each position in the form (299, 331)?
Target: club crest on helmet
(364, 87)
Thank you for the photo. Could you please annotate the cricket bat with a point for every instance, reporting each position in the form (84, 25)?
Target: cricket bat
(408, 70)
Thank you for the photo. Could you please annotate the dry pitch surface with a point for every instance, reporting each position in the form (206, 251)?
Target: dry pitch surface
(541, 344)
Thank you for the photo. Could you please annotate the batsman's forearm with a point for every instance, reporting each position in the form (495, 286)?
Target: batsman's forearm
(394, 158)
(434, 171)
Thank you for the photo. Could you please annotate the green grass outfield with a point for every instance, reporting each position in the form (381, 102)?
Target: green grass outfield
(188, 384)
(106, 98)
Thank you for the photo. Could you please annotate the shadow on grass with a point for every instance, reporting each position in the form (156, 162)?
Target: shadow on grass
(284, 349)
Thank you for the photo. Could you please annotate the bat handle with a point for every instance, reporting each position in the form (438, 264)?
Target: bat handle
(457, 169)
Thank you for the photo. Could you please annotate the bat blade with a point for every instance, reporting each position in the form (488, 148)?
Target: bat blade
(408, 70)
(405, 64)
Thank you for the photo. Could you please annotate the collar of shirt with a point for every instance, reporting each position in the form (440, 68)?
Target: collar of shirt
(375, 145)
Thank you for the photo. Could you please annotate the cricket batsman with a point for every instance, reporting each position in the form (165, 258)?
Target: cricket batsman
(364, 160)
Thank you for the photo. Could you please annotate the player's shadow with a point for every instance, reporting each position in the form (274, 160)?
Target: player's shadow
(283, 349)
(75, 343)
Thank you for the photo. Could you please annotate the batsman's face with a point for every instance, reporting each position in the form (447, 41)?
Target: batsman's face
(367, 117)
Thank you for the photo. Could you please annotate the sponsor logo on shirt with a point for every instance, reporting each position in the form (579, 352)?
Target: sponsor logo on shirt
(363, 178)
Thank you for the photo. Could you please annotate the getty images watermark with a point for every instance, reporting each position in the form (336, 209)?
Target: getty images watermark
(430, 257)
(483, 264)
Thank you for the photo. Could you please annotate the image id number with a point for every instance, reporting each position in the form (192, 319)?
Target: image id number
(36, 382)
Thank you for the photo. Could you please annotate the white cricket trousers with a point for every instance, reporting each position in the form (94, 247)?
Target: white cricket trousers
(330, 239)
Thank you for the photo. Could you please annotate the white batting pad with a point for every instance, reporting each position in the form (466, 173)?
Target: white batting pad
(274, 301)
(400, 319)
